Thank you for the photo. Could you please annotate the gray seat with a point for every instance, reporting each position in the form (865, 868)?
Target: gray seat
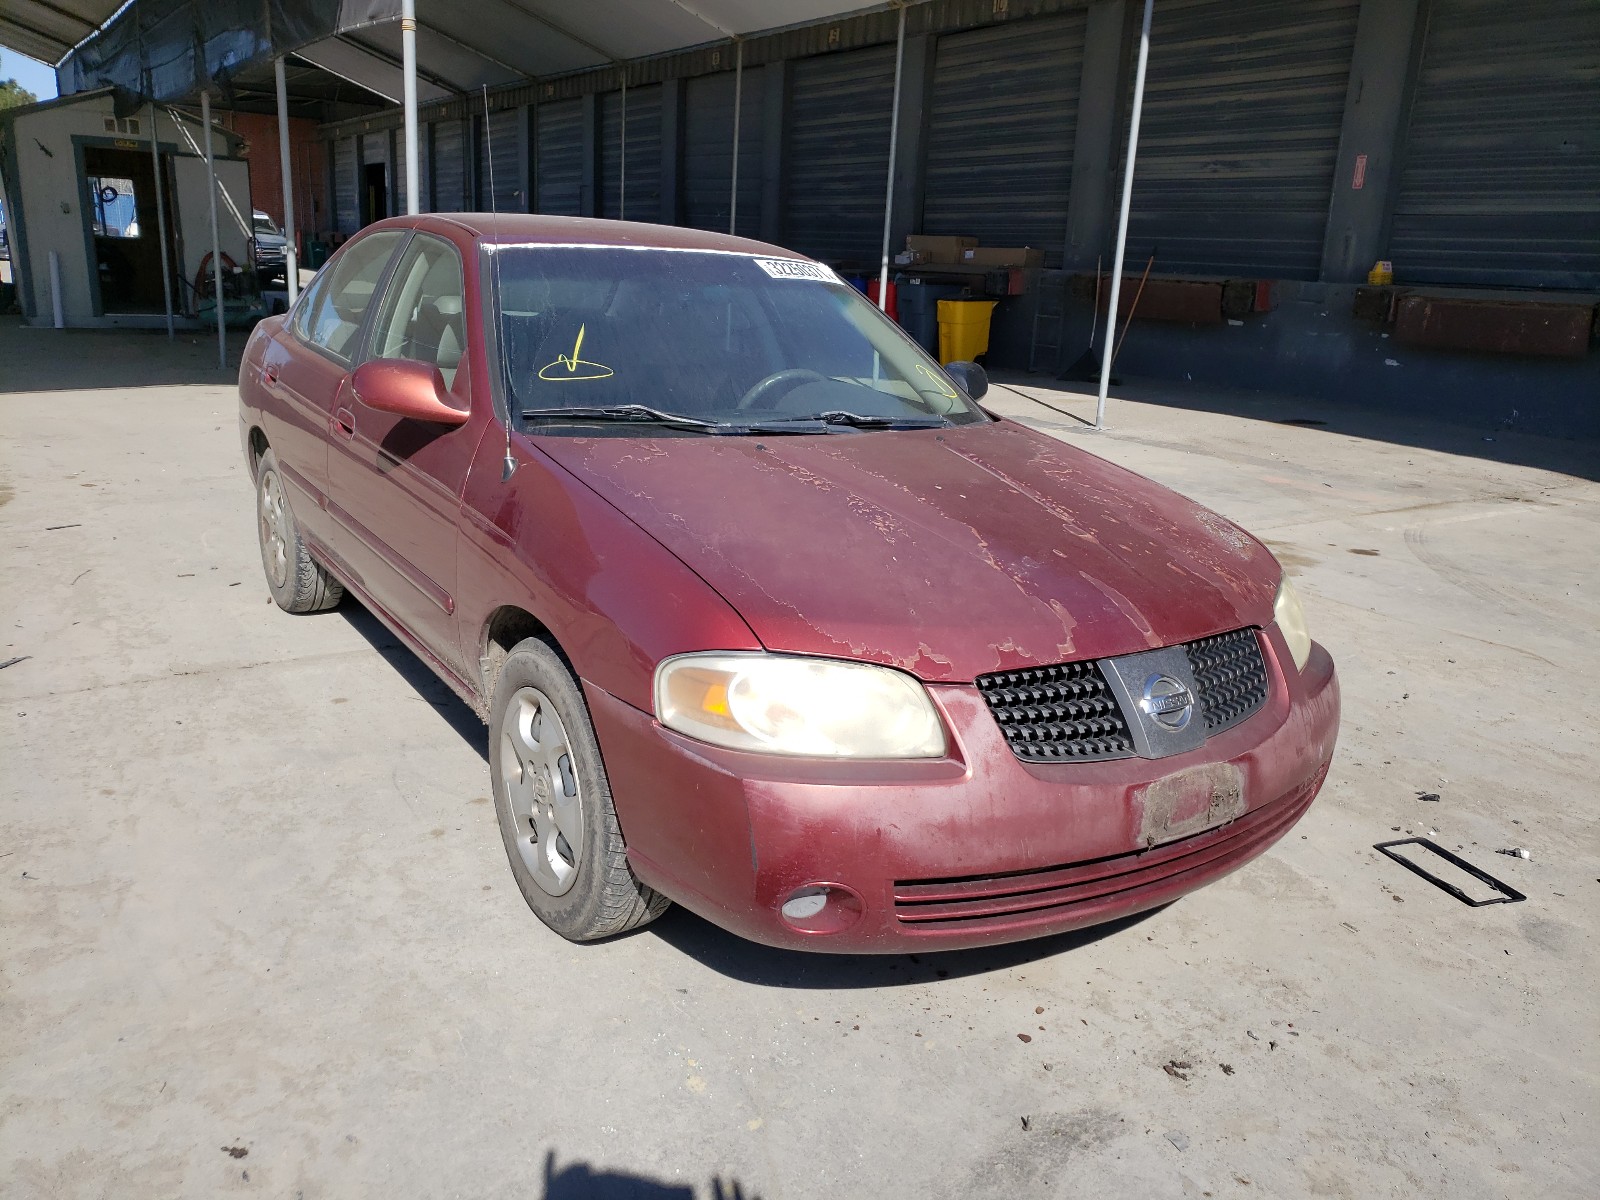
(441, 335)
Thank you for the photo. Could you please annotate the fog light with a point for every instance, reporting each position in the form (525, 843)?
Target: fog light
(805, 904)
(821, 908)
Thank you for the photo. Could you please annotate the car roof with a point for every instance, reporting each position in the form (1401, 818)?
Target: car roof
(525, 228)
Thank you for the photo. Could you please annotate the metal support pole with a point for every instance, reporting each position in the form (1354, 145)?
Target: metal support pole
(622, 155)
(216, 241)
(738, 97)
(161, 225)
(894, 144)
(1122, 222)
(291, 263)
(408, 68)
(57, 304)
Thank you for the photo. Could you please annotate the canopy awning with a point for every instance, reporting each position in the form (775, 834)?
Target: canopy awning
(172, 50)
(48, 29)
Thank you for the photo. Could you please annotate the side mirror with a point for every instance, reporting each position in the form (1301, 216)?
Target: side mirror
(407, 389)
(970, 378)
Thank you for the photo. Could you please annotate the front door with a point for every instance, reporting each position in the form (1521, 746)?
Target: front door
(396, 483)
(307, 369)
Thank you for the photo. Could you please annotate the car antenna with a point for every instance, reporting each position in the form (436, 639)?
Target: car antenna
(508, 466)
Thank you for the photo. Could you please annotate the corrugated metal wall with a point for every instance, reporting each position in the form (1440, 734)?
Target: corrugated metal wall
(1243, 107)
(1500, 177)
(558, 165)
(1001, 120)
(505, 143)
(643, 199)
(450, 166)
(708, 152)
(346, 186)
(838, 155)
(398, 179)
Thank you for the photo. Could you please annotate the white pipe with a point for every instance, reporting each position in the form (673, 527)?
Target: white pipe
(216, 241)
(408, 67)
(738, 97)
(55, 290)
(161, 225)
(291, 262)
(894, 140)
(1122, 223)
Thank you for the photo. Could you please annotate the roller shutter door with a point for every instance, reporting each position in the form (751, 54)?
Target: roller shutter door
(1243, 107)
(1001, 121)
(558, 173)
(346, 186)
(1500, 179)
(642, 201)
(838, 154)
(506, 146)
(450, 166)
(708, 152)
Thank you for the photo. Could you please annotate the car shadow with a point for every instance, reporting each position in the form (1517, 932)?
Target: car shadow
(428, 686)
(766, 966)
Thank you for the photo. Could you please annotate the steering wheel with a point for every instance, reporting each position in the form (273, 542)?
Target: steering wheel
(763, 394)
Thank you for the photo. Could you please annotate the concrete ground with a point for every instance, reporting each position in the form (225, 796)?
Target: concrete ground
(258, 935)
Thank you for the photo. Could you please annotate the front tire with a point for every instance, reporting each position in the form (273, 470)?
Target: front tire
(554, 803)
(297, 581)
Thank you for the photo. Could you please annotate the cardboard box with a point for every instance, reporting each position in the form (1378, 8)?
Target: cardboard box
(939, 249)
(1003, 256)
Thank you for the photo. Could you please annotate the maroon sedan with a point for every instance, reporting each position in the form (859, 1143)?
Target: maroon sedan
(765, 614)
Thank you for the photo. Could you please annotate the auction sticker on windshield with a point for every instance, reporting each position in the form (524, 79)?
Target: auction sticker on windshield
(788, 268)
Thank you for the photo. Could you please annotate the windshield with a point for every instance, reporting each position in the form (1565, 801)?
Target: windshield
(264, 224)
(725, 338)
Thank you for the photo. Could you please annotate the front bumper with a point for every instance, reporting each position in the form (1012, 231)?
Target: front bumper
(972, 849)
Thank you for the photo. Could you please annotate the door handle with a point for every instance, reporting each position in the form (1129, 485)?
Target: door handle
(270, 373)
(344, 423)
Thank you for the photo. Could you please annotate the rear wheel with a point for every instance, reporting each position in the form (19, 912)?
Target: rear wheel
(554, 803)
(296, 580)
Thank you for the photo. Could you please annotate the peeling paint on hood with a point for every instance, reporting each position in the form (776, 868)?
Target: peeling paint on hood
(947, 553)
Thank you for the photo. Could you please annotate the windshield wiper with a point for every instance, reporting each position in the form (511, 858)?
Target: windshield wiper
(839, 416)
(620, 412)
(642, 414)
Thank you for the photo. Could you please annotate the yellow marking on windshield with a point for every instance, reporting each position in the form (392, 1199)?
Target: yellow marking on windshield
(944, 386)
(566, 366)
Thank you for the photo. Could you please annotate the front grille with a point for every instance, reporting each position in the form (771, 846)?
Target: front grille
(1046, 894)
(1068, 713)
(1229, 676)
(1055, 714)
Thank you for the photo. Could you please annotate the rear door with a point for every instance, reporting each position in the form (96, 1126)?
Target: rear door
(395, 483)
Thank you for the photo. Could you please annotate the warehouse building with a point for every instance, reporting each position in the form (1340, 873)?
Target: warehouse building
(1394, 202)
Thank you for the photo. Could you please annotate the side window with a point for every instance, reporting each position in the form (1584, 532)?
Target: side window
(421, 314)
(333, 310)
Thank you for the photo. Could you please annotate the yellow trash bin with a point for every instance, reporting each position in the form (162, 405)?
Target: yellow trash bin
(963, 329)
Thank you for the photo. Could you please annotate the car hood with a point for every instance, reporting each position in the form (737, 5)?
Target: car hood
(271, 241)
(947, 553)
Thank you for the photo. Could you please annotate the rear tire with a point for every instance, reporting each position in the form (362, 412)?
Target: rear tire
(554, 803)
(297, 581)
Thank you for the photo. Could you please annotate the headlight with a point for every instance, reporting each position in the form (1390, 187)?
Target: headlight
(1291, 619)
(791, 705)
